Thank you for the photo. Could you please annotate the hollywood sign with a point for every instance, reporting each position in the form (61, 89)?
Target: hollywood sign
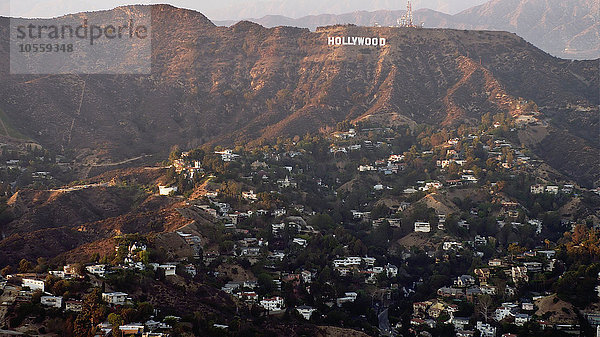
(356, 41)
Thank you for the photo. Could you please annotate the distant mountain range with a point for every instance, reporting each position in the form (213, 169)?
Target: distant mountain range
(566, 29)
(292, 8)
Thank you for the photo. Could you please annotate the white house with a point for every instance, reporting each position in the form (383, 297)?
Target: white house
(348, 297)
(165, 190)
(52, 301)
(347, 262)
(97, 269)
(75, 306)
(451, 245)
(503, 312)
(287, 182)
(423, 227)
(536, 189)
(546, 253)
(115, 298)
(391, 270)
(272, 304)
(299, 241)
(552, 189)
(519, 273)
(305, 311)
(521, 319)
(249, 195)
(227, 155)
(33, 284)
(168, 268)
(486, 329)
(132, 329)
(306, 276)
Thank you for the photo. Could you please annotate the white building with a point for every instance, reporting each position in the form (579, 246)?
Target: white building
(97, 269)
(227, 155)
(391, 270)
(451, 245)
(33, 284)
(115, 298)
(132, 329)
(536, 189)
(348, 297)
(486, 329)
(305, 311)
(504, 311)
(306, 276)
(249, 195)
(272, 304)
(423, 227)
(51, 301)
(169, 269)
(165, 190)
(75, 306)
(299, 241)
(521, 319)
(347, 262)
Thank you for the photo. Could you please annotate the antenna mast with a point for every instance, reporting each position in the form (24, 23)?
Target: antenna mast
(407, 19)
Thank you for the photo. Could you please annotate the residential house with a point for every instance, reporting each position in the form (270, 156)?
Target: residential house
(485, 329)
(519, 273)
(451, 245)
(285, 183)
(533, 267)
(299, 241)
(423, 227)
(115, 298)
(460, 323)
(537, 189)
(483, 274)
(272, 304)
(495, 263)
(249, 195)
(75, 306)
(348, 297)
(391, 270)
(33, 284)
(305, 311)
(451, 292)
(306, 276)
(464, 281)
(52, 301)
(166, 190)
(521, 319)
(132, 329)
(504, 311)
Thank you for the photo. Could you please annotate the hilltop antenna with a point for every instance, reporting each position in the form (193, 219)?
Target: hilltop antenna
(409, 14)
(407, 19)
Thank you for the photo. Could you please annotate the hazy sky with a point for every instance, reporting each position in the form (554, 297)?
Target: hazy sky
(229, 9)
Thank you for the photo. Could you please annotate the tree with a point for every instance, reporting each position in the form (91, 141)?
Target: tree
(484, 306)
(25, 266)
(6, 271)
(115, 320)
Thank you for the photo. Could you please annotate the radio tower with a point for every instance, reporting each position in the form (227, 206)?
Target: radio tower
(409, 16)
(407, 19)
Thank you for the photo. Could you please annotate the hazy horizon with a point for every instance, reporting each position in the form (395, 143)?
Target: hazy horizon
(230, 9)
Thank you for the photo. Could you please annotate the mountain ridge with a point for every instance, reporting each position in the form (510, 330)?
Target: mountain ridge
(248, 84)
(563, 29)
